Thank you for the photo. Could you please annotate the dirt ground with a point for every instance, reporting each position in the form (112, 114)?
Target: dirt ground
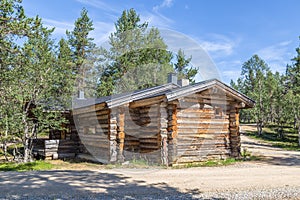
(278, 169)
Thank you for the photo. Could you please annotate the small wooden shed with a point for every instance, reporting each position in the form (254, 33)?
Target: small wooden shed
(168, 124)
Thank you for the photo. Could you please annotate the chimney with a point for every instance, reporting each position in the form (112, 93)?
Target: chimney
(183, 82)
(172, 78)
(80, 95)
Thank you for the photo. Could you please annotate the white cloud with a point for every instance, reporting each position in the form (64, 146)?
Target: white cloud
(60, 26)
(277, 55)
(164, 4)
(98, 4)
(102, 31)
(219, 45)
(229, 70)
(156, 20)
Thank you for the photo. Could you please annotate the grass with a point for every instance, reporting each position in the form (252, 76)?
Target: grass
(270, 135)
(31, 166)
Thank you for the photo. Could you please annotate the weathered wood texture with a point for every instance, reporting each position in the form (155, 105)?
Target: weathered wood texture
(202, 128)
(55, 149)
(69, 131)
(235, 143)
(142, 132)
(93, 130)
(172, 132)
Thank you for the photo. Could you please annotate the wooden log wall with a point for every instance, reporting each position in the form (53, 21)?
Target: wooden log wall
(121, 133)
(142, 133)
(112, 134)
(69, 131)
(163, 130)
(55, 149)
(93, 130)
(202, 129)
(172, 132)
(235, 141)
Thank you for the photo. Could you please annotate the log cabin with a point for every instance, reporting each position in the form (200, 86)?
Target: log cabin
(174, 123)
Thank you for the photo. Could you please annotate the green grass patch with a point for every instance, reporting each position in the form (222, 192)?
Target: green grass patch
(31, 166)
(271, 135)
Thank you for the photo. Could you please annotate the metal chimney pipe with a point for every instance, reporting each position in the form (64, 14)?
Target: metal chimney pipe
(80, 94)
(172, 78)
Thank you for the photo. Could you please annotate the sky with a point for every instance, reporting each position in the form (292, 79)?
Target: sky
(219, 35)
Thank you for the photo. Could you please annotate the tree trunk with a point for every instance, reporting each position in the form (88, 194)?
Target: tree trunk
(26, 151)
(299, 135)
(26, 142)
(280, 131)
(5, 138)
(259, 128)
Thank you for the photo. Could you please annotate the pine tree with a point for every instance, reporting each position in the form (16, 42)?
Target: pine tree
(137, 58)
(293, 87)
(13, 26)
(82, 48)
(252, 83)
(30, 78)
(64, 87)
(182, 67)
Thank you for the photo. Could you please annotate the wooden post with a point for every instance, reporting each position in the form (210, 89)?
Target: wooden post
(163, 132)
(172, 133)
(235, 143)
(121, 133)
(112, 129)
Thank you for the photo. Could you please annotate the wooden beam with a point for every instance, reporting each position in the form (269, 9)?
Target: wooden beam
(88, 109)
(163, 113)
(121, 133)
(146, 102)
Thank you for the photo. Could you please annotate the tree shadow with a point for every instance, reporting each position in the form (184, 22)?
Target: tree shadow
(291, 160)
(273, 155)
(83, 185)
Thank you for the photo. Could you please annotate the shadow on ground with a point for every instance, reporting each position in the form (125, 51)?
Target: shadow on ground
(82, 185)
(270, 154)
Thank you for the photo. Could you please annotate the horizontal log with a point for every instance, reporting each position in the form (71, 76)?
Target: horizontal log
(51, 142)
(148, 147)
(152, 109)
(141, 128)
(96, 143)
(146, 102)
(89, 109)
(93, 136)
(66, 155)
(182, 131)
(141, 133)
(203, 124)
(103, 117)
(137, 116)
(149, 142)
(131, 143)
(97, 149)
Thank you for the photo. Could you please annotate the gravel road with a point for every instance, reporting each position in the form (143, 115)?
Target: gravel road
(275, 177)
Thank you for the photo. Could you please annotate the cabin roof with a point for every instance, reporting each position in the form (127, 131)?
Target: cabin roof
(170, 90)
(201, 86)
(120, 99)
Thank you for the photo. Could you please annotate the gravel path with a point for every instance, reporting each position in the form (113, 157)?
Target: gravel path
(276, 177)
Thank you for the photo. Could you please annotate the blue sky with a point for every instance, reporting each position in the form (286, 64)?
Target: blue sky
(229, 31)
